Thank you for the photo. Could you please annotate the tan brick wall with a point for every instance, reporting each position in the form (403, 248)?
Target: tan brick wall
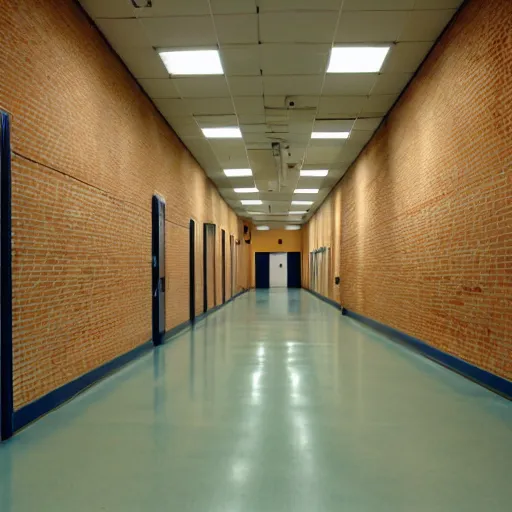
(423, 219)
(90, 150)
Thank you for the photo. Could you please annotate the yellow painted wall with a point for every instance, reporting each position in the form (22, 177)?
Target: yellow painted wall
(266, 241)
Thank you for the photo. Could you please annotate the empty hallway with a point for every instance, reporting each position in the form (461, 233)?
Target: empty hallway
(276, 402)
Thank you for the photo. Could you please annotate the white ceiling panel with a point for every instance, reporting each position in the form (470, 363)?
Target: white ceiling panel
(209, 106)
(361, 136)
(202, 87)
(180, 31)
(185, 127)
(249, 105)
(246, 85)
(305, 85)
(323, 156)
(437, 4)
(241, 60)
(143, 62)
(123, 33)
(303, 104)
(344, 84)
(333, 125)
(369, 123)
(378, 5)
(202, 150)
(110, 9)
(294, 59)
(406, 57)
(391, 83)
(233, 6)
(172, 107)
(255, 119)
(425, 25)
(173, 8)
(379, 103)
(219, 121)
(237, 29)
(344, 106)
(370, 26)
(159, 87)
(297, 27)
(299, 5)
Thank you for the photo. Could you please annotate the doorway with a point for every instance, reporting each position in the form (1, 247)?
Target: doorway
(192, 270)
(158, 259)
(223, 260)
(209, 254)
(6, 395)
(278, 270)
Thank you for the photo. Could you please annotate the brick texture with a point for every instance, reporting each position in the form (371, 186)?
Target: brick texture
(421, 224)
(90, 150)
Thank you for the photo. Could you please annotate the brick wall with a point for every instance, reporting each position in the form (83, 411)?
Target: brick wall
(422, 223)
(90, 150)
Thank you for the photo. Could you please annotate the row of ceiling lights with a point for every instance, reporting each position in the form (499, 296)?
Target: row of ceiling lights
(288, 228)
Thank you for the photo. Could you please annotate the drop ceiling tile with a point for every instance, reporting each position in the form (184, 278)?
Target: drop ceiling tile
(406, 57)
(209, 106)
(143, 62)
(294, 59)
(202, 87)
(370, 26)
(306, 85)
(391, 83)
(185, 127)
(202, 150)
(370, 123)
(343, 106)
(249, 105)
(333, 125)
(302, 104)
(437, 4)
(172, 107)
(123, 33)
(215, 120)
(111, 9)
(159, 87)
(180, 31)
(246, 85)
(322, 156)
(426, 25)
(233, 6)
(378, 5)
(253, 128)
(237, 28)
(345, 84)
(255, 119)
(162, 8)
(361, 136)
(297, 27)
(379, 103)
(241, 60)
(298, 5)
(257, 138)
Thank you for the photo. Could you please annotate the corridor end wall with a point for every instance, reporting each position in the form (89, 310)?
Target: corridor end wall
(421, 224)
(89, 152)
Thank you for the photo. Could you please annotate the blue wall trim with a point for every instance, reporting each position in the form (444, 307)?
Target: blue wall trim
(484, 378)
(325, 299)
(56, 398)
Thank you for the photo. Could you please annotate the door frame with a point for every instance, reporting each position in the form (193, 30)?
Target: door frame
(192, 270)
(223, 263)
(158, 269)
(6, 357)
(206, 227)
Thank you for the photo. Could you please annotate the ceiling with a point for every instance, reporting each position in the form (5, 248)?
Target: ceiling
(273, 52)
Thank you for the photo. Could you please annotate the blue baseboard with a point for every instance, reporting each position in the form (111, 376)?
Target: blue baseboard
(202, 316)
(325, 299)
(483, 377)
(33, 411)
(54, 399)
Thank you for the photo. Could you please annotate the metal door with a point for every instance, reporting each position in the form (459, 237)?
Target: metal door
(192, 270)
(158, 269)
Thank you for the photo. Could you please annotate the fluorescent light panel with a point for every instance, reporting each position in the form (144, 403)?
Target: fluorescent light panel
(306, 191)
(330, 135)
(248, 190)
(237, 173)
(302, 203)
(255, 213)
(251, 202)
(298, 213)
(192, 62)
(357, 59)
(314, 173)
(231, 132)
(292, 228)
(263, 228)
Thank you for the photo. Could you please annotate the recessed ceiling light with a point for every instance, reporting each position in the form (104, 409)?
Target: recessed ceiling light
(330, 135)
(231, 132)
(292, 228)
(248, 190)
(317, 173)
(263, 228)
(306, 191)
(297, 213)
(251, 202)
(357, 59)
(303, 203)
(192, 62)
(236, 173)
(255, 213)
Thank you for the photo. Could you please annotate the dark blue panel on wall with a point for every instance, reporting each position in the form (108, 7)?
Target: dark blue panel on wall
(262, 269)
(294, 280)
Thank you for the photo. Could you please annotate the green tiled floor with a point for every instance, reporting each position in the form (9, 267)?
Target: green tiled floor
(274, 404)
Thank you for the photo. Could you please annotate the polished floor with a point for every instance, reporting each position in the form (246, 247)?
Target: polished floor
(275, 403)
